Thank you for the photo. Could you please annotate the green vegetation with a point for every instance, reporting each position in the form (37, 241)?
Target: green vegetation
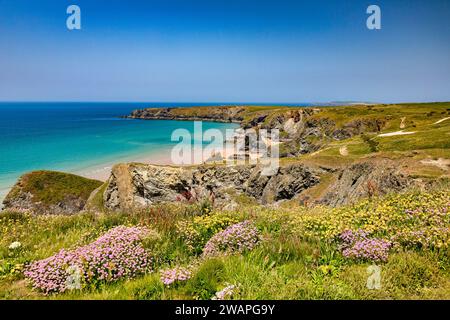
(51, 187)
(303, 251)
(300, 256)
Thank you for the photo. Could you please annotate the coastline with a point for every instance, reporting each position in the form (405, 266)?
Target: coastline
(101, 171)
(161, 157)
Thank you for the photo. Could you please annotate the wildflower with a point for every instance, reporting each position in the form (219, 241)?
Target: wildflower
(15, 245)
(117, 254)
(358, 245)
(226, 293)
(239, 237)
(177, 274)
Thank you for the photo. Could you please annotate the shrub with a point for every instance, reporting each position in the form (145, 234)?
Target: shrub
(175, 275)
(115, 255)
(358, 245)
(410, 272)
(372, 144)
(412, 220)
(206, 281)
(236, 238)
(200, 229)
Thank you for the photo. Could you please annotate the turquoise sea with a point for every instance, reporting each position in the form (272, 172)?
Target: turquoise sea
(78, 137)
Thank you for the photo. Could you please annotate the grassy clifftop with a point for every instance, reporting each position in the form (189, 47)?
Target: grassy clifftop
(43, 190)
(294, 249)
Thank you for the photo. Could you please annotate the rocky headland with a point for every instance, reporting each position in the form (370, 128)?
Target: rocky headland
(332, 156)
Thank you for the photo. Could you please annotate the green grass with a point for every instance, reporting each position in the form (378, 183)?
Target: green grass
(295, 260)
(299, 257)
(51, 187)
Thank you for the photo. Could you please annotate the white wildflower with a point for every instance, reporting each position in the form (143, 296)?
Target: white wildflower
(226, 293)
(15, 245)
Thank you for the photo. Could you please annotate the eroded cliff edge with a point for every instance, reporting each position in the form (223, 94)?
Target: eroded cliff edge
(136, 185)
(331, 156)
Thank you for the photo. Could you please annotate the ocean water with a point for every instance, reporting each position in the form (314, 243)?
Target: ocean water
(75, 137)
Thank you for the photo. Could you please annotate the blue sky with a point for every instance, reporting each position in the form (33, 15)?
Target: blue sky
(225, 51)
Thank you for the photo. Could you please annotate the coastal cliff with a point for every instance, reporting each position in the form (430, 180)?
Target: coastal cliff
(332, 156)
(377, 176)
(216, 114)
(50, 192)
(134, 185)
(302, 129)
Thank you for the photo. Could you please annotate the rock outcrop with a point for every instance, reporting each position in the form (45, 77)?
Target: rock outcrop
(216, 114)
(366, 179)
(140, 185)
(302, 130)
(50, 192)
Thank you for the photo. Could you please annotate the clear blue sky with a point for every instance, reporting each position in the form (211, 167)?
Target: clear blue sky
(225, 51)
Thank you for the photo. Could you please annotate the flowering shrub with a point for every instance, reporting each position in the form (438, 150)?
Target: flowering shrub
(412, 220)
(175, 275)
(357, 245)
(370, 249)
(117, 254)
(349, 237)
(200, 229)
(226, 293)
(236, 238)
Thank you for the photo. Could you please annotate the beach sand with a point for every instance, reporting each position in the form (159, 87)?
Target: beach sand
(103, 171)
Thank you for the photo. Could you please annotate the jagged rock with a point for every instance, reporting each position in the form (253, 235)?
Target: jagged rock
(217, 114)
(289, 182)
(366, 179)
(134, 185)
(140, 185)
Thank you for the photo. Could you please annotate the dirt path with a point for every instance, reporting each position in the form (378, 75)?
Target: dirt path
(396, 133)
(441, 163)
(442, 120)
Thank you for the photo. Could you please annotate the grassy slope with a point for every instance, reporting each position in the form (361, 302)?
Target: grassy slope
(430, 140)
(296, 261)
(51, 187)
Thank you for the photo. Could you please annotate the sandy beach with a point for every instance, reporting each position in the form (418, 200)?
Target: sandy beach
(163, 157)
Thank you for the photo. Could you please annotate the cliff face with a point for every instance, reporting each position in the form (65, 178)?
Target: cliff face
(335, 171)
(141, 185)
(216, 114)
(302, 130)
(366, 179)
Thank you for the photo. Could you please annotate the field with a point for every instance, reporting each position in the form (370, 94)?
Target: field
(291, 252)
